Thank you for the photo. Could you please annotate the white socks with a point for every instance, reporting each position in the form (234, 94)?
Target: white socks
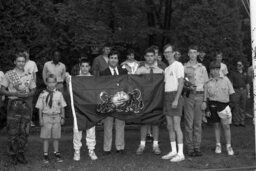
(155, 143)
(174, 148)
(143, 143)
(180, 149)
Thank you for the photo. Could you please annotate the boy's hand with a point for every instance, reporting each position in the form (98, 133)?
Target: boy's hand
(204, 106)
(62, 121)
(174, 104)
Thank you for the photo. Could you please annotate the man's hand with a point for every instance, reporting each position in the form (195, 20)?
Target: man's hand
(174, 104)
(203, 106)
(41, 122)
(62, 121)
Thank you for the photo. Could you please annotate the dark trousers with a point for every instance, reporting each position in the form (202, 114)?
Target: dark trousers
(18, 124)
(239, 106)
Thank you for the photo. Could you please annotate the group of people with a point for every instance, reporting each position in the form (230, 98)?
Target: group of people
(212, 94)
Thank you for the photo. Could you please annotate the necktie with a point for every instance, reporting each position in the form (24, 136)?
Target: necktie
(49, 97)
(114, 72)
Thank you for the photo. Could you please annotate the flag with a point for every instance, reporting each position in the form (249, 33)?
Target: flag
(133, 98)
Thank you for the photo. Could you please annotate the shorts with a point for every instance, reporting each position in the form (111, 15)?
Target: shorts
(168, 99)
(51, 127)
(214, 108)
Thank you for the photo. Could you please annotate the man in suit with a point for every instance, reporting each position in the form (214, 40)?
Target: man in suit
(100, 63)
(113, 69)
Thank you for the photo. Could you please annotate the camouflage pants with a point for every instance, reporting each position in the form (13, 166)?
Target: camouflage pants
(18, 124)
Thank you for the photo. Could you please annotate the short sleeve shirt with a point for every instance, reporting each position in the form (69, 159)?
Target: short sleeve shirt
(1, 77)
(16, 82)
(197, 75)
(58, 102)
(219, 89)
(30, 67)
(146, 69)
(223, 69)
(59, 70)
(172, 73)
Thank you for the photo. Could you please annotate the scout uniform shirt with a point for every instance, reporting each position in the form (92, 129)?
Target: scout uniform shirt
(219, 89)
(58, 102)
(197, 75)
(18, 82)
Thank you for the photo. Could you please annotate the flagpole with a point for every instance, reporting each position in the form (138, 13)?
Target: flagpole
(253, 43)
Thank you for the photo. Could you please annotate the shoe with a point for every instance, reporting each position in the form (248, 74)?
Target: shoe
(77, 155)
(140, 150)
(92, 155)
(242, 124)
(156, 150)
(120, 151)
(106, 153)
(58, 157)
(218, 149)
(169, 156)
(13, 160)
(21, 158)
(46, 159)
(149, 138)
(198, 153)
(230, 151)
(178, 158)
(32, 124)
(191, 154)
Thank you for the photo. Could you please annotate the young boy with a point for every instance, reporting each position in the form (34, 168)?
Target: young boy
(20, 86)
(217, 91)
(90, 133)
(150, 67)
(51, 116)
(174, 80)
(131, 65)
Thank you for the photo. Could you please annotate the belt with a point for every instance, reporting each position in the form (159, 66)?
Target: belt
(198, 92)
(48, 114)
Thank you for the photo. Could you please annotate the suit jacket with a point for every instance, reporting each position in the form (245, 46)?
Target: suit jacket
(107, 71)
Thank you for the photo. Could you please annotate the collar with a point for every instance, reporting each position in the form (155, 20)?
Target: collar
(196, 65)
(154, 66)
(112, 68)
(54, 63)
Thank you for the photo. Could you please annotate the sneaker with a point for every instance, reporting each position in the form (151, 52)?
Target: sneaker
(140, 150)
(21, 158)
(156, 150)
(32, 124)
(58, 157)
(77, 155)
(178, 158)
(218, 149)
(169, 156)
(92, 155)
(230, 151)
(46, 159)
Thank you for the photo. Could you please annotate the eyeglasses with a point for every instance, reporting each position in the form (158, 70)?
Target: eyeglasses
(168, 52)
(239, 65)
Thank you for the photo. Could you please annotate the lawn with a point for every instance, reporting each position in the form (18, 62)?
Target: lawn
(242, 141)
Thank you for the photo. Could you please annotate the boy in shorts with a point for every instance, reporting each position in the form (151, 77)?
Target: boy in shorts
(51, 116)
(217, 92)
(174, 80)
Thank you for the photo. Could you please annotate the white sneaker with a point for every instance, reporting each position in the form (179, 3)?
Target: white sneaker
(169, 156)
(230, 151)
(218, 149)
(77, 155)
(92, 155)
(178, 158)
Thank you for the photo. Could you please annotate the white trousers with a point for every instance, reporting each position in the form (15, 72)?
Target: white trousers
(90, 139)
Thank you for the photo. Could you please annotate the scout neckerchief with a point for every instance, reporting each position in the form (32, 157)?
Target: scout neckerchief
(49, 97)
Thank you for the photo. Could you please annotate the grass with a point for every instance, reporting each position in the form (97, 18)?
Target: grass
(242, 142)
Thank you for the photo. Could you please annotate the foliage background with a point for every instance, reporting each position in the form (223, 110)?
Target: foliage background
(81, 27)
